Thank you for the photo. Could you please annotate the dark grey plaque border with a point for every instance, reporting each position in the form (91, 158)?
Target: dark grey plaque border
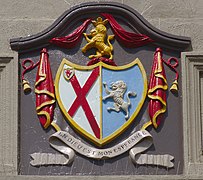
(26, 44)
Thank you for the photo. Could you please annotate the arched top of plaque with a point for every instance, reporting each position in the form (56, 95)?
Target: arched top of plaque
(128, 17)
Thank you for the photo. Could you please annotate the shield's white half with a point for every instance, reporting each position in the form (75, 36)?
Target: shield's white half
(68, 96)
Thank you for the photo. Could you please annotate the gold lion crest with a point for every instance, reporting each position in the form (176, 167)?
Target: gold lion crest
(96, 39)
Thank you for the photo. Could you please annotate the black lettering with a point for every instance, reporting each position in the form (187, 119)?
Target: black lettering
(93, 152)
(136, 136)
(72, 142)
(75, 143)
(63, 135)
(109, 151)
(115, 150)
(79, 146)
(139, 135)
(100, 153)
(129, 141)
(132, 139)
(143, 132)
(123, 146)
(88, 151)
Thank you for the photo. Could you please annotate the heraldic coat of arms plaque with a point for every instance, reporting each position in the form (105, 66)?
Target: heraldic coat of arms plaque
(100, 94)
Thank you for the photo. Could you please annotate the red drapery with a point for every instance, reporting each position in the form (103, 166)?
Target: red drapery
(44, 90)
(72, 39)
(157, 89)
(128, 39)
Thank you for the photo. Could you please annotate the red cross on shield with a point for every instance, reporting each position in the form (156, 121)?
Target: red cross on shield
(81, 96)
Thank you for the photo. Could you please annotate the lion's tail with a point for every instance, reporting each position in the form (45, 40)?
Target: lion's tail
(110, 37)
(130, 93)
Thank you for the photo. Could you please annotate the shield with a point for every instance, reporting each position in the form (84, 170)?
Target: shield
(100, 101)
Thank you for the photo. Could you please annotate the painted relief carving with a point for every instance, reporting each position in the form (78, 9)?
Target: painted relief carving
(117, 93)
(86, 92)
(44, 88)
(98, 35)
(157, 88)
(101, 104)
(89, 96)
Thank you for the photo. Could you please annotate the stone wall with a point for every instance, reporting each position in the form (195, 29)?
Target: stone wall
(21, 18)
(179, 17)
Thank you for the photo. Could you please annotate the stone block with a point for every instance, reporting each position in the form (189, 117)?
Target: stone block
(185, 27)
(167, 8)
(32, 10)
(40, 9)
(19, 28)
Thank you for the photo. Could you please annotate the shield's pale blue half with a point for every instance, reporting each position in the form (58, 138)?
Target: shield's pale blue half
(112, 121)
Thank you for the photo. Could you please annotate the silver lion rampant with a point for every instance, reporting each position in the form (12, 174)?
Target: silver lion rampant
(117, 92)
